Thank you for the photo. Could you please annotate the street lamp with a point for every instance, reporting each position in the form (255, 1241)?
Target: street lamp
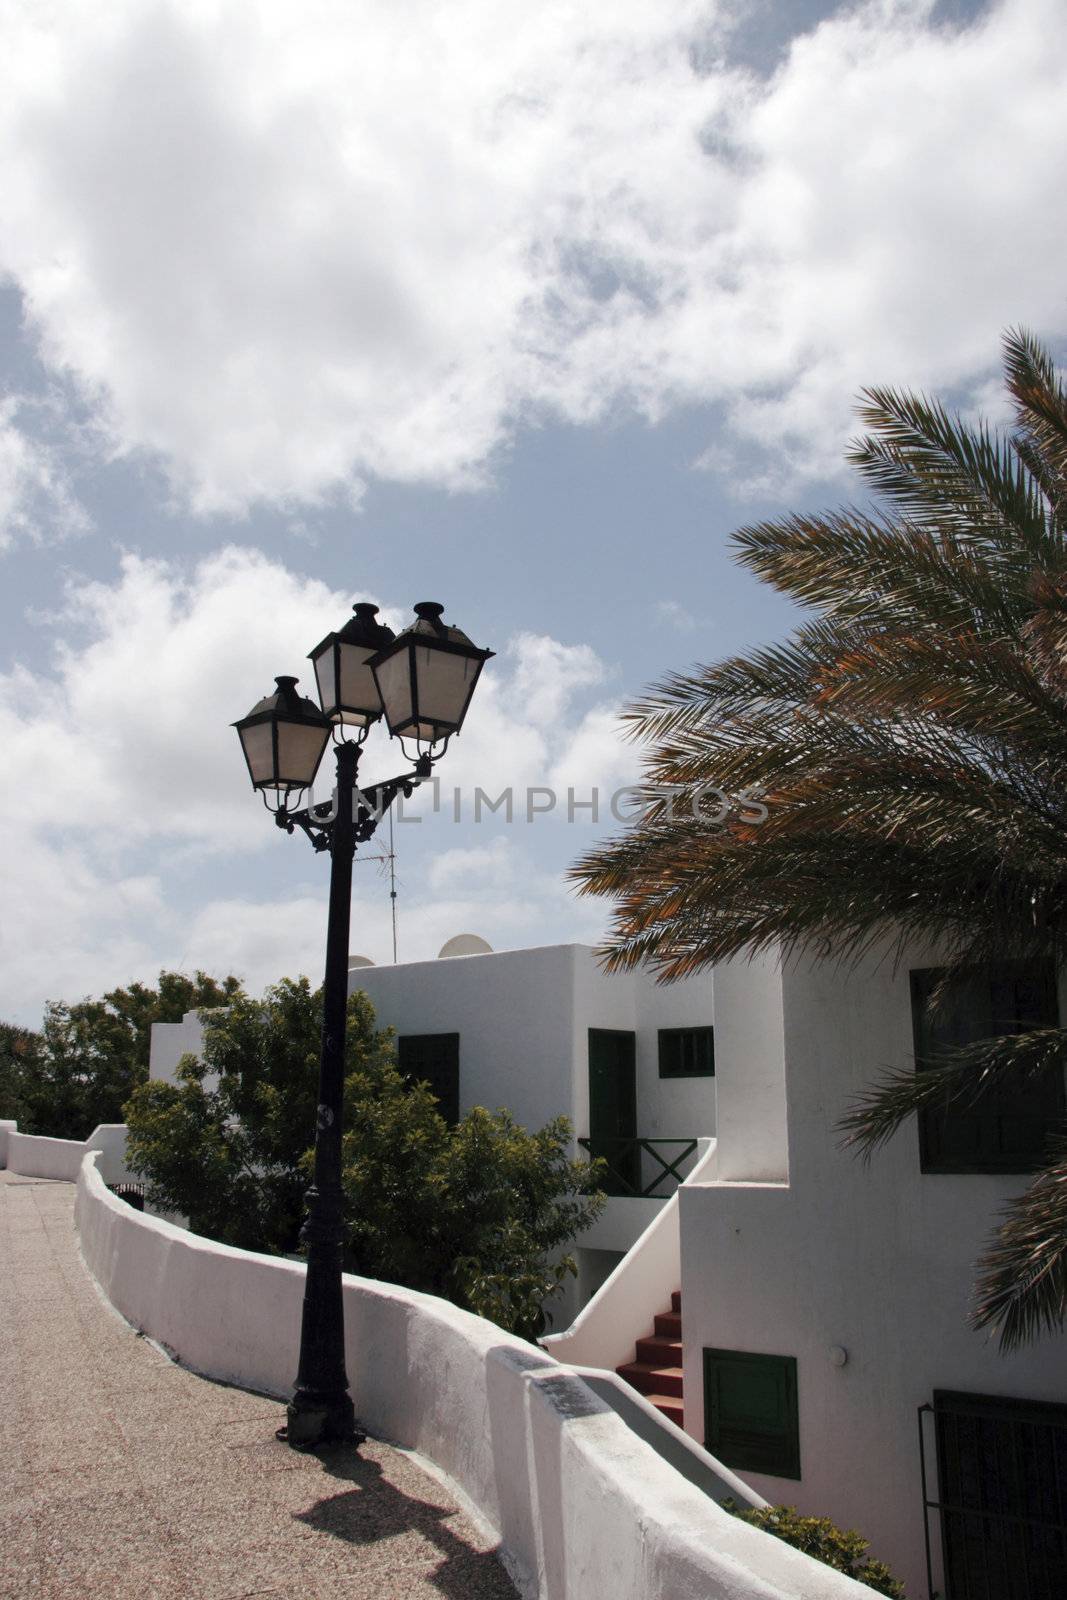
(422, 682)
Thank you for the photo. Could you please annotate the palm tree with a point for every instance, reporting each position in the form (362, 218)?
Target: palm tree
(909, 741)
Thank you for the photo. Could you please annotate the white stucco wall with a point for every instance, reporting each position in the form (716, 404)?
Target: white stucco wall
(582, 1505)
(523, 1017)
(877, 1259)
(6, 1127)
(33, 1155)
(669, 1108)
(752, 1120)
(171, 1041)
(513, 1011)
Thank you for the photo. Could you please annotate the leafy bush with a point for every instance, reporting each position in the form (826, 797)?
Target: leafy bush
(843, 1549)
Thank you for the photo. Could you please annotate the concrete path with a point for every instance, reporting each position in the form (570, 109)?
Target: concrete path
(125, 1477)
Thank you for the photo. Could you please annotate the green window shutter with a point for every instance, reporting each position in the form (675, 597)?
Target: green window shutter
(1007, 1128)
(687, 1052)
(433, 1059)
(751, 1420)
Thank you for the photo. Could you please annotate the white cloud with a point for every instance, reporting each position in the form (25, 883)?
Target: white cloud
(286, 248)
(38, 502)
(122, 755)
(481, 866)
(675, 615)
(510, 906)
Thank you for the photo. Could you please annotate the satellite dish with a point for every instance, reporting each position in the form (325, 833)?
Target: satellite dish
(465, 944)
(359, 961)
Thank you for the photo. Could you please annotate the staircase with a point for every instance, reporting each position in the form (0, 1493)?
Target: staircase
(657, 1371)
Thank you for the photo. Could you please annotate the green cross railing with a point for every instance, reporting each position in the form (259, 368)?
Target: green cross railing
(623, 1159)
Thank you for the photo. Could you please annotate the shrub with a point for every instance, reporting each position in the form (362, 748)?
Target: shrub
(843, 1549)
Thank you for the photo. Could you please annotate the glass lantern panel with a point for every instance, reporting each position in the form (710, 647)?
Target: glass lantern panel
(394, 681)
(444, 681)
(359, 692)
(259, 752)
(300, 747)
(323, 663)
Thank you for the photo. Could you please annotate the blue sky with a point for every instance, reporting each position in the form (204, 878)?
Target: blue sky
(521, 309)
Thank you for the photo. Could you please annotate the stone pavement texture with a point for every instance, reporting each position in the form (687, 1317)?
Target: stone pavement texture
(125, 1477)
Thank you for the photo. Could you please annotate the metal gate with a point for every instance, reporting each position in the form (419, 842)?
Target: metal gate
(994, 1471)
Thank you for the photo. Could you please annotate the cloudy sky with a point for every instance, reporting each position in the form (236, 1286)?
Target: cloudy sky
(521, 308)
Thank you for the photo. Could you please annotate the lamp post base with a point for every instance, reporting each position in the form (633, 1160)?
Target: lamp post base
(320, 1419)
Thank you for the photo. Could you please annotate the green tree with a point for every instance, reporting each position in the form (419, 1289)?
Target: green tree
(224, 1145)
(478, 1213)
(89, 1056)
(19, 1050)
(909, 740)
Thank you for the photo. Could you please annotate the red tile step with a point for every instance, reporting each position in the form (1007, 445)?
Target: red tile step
(647, 1378)
(657, 1371)
(658, 1352)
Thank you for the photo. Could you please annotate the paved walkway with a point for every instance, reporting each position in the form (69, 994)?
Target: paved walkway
(126, 1477)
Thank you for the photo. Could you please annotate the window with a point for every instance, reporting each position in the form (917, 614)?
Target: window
(1005, 1130)
(750, 1412)
(433, 1058)
(1001, 1493)
(687, 1052)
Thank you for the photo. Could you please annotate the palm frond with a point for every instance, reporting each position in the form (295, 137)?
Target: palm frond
(965, 482)
(1022, 1284)
(961, 1076)
(1041, 415)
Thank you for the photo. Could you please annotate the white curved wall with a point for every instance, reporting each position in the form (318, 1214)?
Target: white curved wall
(582, 1506)
(6, 1129)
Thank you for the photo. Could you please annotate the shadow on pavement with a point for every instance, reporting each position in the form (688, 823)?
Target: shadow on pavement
(374, 1509)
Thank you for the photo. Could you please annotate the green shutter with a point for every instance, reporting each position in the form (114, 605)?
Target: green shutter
(433, 1059)
(1007, 1128)
(687, 1052)
(750, 1412)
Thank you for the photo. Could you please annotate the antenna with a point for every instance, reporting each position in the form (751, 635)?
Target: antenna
(387, 859)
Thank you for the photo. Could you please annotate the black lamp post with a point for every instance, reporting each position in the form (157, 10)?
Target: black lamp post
(422, 683)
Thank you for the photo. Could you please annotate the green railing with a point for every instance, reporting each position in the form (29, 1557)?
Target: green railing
(623, 1161)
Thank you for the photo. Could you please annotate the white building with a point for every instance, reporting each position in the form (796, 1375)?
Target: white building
(546, 1033)
(825, 1301)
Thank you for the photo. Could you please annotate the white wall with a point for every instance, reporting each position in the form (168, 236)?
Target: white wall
(752, 1120)
(670, 1108)
(623, 1308)
(584, 1507)
(513, 1011)
(171, 1041)
(33, 1155)
(877, 1259)
(6, 1128)
(523, 1017)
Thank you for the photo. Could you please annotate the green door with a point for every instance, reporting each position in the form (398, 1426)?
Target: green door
(613, 1107)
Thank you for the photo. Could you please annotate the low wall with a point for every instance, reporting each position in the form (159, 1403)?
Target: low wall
(582, 1506)
(6, 1129)
(34, 1156)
